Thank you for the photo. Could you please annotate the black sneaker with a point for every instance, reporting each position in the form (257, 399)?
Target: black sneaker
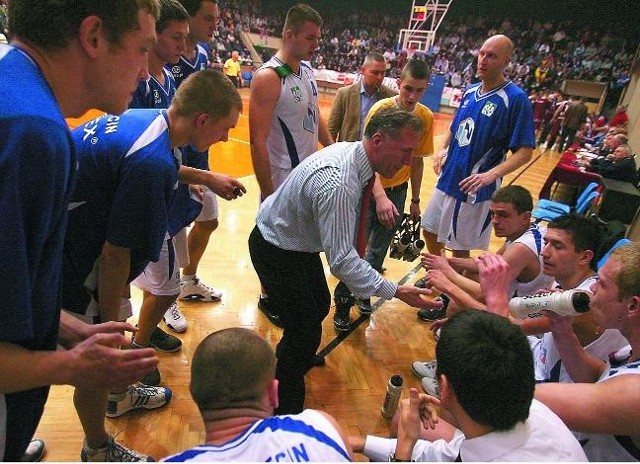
(341, 321)
(317, 360)
(431, 315)
(269, 310)
(34, 451)
(364, 306)
(152, 379)
(162, 341)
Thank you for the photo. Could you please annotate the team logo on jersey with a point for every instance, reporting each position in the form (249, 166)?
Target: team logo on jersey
(465, 132)
(296, 93)
(489, 108)
(310, 121)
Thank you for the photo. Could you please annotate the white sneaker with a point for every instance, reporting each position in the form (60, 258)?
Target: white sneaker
(111, 452)
(555, 148)
(138, 397)
(425, 369)
(174, 318)
(196, 290)
(431, 386)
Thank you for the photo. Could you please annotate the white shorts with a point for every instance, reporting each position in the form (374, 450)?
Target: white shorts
(209, 206)
(459, 225)
(92, 316)
(161, 278)
(181, 247)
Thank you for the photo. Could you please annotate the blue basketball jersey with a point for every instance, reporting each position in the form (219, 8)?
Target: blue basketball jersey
(484, 129)
(37, 166)
(127, 173)
(184, 209)
(153, 94)
(184, 67)
(37, 162)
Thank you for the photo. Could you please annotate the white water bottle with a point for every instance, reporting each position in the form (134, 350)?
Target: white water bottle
(566, 303)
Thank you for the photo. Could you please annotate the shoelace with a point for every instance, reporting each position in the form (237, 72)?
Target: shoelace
(142, 395)
(176, 314)
(197, 283)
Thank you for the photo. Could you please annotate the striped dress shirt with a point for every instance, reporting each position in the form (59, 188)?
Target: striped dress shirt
(317, 208)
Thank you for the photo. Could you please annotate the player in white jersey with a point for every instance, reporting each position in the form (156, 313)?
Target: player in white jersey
(293, 134)
(603, 402)
(547, 363)
(233, 383)
(510, 211)
(285, 124)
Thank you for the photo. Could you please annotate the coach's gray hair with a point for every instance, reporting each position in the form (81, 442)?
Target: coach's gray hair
(389, 121)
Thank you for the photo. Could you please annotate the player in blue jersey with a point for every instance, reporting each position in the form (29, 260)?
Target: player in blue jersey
(119, 218)
(172, 29)
(203, 23)
(494, 117)
(65, 58)
(233, 383)
(204, 15)
(157, 92)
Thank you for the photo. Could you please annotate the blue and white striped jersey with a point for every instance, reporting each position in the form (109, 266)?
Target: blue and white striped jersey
(304, 437)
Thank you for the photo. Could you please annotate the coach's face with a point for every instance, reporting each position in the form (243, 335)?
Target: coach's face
(390, 153)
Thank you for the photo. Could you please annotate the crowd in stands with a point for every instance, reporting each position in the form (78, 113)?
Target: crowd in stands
(546, 52)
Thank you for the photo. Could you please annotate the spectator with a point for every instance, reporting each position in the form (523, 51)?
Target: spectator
(232, 69)
(352, 103)
(620, 118)
(574, 119)
(619, 165)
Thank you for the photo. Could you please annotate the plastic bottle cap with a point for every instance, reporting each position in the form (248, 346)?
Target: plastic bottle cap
(580, 302)
(396, 380)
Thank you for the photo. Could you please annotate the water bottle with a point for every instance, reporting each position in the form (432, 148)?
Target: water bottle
(394, 389)
(566, 303)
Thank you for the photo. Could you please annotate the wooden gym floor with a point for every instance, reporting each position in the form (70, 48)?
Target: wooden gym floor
(351, 386)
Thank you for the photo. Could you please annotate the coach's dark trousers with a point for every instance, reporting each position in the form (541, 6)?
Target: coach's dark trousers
(297, 287)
